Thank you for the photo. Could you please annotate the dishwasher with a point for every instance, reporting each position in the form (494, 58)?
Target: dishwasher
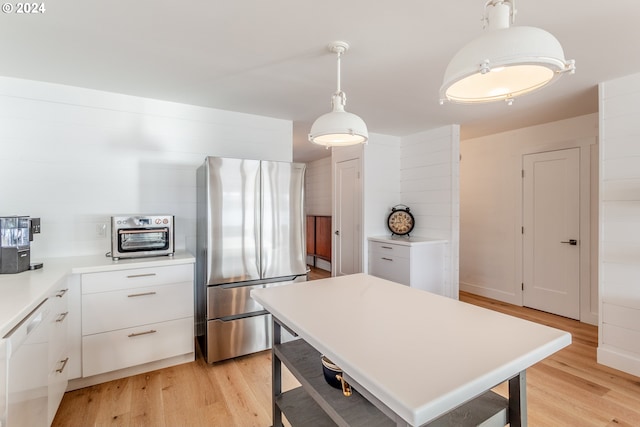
(26, 371)
(3, 382)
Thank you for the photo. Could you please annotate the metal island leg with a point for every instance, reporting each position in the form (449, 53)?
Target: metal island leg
(276, 374)
(518, 400)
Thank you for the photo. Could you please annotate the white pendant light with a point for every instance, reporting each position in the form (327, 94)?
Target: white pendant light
(505, 62)
(338, 128)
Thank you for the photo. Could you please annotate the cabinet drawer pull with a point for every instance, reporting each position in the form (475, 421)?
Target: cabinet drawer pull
(137, 334)
(386, 247)
(141, 295)
(62, 317)
(387, 259)
(64, 365)
(133, 276)
(61, 292)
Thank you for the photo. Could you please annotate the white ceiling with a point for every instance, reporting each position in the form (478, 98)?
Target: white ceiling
(269, 57)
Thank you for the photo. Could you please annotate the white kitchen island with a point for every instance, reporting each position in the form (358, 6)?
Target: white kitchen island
(411, 355)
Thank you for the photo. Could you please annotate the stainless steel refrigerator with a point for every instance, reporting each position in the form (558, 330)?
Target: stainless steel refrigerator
(250, 234)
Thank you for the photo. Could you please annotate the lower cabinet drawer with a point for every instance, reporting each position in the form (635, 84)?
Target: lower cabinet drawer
(389, 249)
(137, 277)
(391, 268)
(107, 311)
(123, 348)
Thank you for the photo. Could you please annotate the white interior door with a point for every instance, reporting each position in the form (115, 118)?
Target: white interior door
(347, 230)
(551, 233)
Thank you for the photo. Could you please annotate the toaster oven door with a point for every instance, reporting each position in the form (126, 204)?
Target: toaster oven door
(143, 239)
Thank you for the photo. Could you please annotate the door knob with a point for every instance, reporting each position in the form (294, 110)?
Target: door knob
(337, 232)
(572, 242)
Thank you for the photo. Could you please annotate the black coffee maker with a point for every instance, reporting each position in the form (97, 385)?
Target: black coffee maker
(16, 234)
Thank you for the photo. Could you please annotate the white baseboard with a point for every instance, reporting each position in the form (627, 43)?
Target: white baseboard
(491, 293)
(77, 383)
(619, 360)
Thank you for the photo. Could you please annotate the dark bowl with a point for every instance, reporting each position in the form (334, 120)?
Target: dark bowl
(330, 371)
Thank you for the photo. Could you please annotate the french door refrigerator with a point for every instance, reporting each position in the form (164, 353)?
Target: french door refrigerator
(250, 234)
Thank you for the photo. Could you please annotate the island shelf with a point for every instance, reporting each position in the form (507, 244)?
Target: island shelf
(316, 403)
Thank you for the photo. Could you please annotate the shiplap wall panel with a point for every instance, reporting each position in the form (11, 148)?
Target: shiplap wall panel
(74, 157)
(623, 145)
(624, 339)
(618, 278)
(318, 197)
(620, 224)
(381, 169)
(429, 175)
(621, 188)
(318, 192)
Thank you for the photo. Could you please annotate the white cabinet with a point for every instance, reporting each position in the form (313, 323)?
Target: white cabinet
(412, 261)
(58, 359)
(74, 327)
(136, 316)
(28, 369)
(36, 374)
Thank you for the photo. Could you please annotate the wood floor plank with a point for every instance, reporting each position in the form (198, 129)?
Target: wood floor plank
(239, 396)
(146, 400)
(79, 407)
(115, 403)
(258, 377)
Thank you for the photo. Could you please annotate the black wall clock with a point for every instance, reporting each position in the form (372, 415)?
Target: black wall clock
(400, 221)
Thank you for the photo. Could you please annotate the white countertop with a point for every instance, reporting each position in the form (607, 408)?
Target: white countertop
(406, 241)
(420, 353)
(22, 292)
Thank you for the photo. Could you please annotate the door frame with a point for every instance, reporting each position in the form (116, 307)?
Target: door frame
(588, 241)
(341, 154)
(552, 297)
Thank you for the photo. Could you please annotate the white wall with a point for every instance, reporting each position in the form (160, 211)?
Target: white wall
(491, 210)
(430, 186)
(74, 157)
(619, 324)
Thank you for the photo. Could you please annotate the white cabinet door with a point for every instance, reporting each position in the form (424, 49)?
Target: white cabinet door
(74, 327)
(58, 349)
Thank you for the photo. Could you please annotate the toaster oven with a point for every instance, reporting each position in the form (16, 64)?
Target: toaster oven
(134, 236)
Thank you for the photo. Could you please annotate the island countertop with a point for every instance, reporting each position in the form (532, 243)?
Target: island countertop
(419, 353)
(22, 292)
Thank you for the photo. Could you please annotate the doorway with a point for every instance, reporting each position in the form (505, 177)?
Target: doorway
(347, 231)
(551, 232)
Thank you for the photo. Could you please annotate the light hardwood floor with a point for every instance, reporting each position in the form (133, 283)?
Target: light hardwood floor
(566, 389)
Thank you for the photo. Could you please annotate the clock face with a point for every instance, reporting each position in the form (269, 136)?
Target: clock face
(400, 222)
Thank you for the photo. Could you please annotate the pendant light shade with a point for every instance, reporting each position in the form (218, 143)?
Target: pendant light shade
(505, 62)
(338, 127)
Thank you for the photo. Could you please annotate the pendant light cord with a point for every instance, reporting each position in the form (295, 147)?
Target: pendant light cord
(338, 61)
(339, 96)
